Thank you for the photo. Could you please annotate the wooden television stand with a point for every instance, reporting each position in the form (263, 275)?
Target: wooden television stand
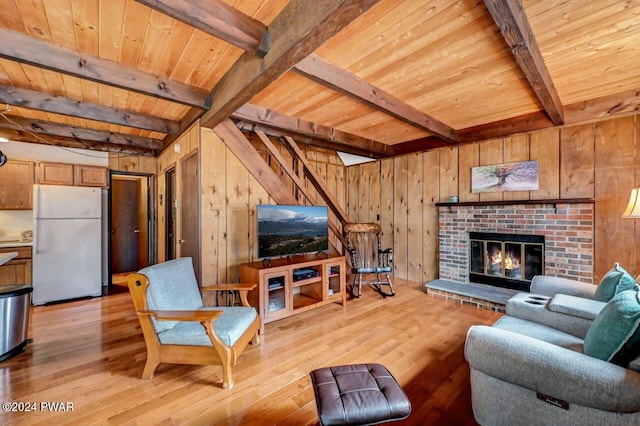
(289, 286)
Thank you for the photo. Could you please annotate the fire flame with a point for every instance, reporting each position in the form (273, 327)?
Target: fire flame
(509, 262)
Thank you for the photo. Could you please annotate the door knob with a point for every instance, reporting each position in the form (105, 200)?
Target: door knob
(181, 241)
(136, 231)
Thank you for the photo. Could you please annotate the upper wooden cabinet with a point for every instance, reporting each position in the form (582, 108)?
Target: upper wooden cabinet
(72, 174)
(55, 173)
(16, 185)
(90, 175)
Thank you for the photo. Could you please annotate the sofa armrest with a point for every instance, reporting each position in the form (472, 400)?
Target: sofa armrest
(537, 308)
(576, 306)
(552, 370)
(550, 286)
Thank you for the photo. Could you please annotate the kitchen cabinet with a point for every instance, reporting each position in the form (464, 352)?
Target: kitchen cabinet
(17, 270)
(55, 173)
(72, 174)
(16, 185)
(90, 175)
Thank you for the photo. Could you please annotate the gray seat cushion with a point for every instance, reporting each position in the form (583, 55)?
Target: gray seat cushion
(172, 286)
(540, 332)
(229, 327)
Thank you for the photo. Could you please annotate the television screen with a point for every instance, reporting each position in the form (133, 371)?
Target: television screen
(288, 230)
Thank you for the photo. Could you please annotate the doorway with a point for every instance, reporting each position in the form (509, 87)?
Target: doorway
(190, 212)
(130, 217)
(170, 213)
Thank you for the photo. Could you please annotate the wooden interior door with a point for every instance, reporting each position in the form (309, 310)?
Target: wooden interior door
(189, 242)
(170, 214)
(129, 224)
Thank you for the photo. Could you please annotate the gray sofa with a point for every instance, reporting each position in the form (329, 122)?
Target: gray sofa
(529, 367)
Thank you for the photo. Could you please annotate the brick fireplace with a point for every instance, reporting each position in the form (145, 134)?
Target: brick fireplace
(567, 229)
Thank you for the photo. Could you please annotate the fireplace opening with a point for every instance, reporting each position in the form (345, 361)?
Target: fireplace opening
(505, 260)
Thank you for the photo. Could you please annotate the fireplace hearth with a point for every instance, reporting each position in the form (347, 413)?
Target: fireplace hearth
(505, 260)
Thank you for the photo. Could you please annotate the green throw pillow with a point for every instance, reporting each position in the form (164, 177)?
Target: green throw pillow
(615, 333)
(614, 281)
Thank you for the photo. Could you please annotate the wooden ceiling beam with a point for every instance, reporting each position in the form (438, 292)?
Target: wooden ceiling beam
(217, 18)
(301, 27)
(318, 69)
(418, 145)
(524, 123)
(342, 141)
(246, 126)
(21, 48)
(240, 146)
(41, 101)
(606, 106)
(515, 28)
(22, 136)
(73, 132)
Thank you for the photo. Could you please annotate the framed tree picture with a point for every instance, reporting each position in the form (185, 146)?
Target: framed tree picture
(520, 176)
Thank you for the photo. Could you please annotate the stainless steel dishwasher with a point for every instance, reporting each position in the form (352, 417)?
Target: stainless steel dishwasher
(14, 319)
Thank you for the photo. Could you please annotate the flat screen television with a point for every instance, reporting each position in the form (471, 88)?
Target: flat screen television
(291, 230)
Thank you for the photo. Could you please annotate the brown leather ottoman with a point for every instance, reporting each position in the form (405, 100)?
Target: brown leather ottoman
(361, 394)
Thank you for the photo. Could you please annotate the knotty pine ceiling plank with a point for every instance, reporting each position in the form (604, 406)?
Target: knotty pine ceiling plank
(110, 29)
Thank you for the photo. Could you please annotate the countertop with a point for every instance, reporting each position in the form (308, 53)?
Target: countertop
(5, 257)
(16, 244)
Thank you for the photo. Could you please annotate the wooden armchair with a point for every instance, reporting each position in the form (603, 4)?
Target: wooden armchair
(179, 329)
(368, 258)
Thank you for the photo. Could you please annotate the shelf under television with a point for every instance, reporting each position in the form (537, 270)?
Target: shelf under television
(307, 281)
(301, 301)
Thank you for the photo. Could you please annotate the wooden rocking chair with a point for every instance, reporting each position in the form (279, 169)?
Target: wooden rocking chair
(179, 329)
(367, 257)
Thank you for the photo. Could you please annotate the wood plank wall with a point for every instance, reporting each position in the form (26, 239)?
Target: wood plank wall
(230, 194)
(594, 160)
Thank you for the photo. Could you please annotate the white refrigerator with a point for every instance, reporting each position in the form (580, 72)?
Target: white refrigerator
(67, 243)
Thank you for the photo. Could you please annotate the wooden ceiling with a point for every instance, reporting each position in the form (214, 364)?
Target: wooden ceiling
(371, 77)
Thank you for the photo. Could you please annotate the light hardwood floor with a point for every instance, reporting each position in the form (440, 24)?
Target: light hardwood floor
(91, 353)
